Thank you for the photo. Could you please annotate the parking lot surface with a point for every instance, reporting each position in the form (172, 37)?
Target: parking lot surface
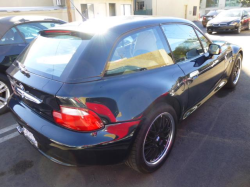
(212, 147)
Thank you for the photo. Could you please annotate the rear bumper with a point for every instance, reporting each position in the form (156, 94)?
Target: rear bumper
(227, 28)
(110, 145)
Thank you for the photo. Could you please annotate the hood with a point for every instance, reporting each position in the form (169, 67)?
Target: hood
(224, 19)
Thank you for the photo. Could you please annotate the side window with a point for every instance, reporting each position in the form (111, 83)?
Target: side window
(49, 24)
(204, 41)
(183, 41)
(29, 31)
(11, 37)
(139, 51)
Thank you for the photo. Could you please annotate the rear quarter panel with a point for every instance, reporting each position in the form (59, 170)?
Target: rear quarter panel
(127, 97)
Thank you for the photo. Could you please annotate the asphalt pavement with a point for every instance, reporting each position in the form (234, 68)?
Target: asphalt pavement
(212, 148)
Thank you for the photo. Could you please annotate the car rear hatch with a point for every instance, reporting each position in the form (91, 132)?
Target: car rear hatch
(42, 68)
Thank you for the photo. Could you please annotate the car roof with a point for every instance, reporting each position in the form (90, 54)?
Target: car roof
(8, 22)
(100, 46)
(118, 24)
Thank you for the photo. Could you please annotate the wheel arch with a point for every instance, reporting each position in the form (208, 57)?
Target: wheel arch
(166, 99)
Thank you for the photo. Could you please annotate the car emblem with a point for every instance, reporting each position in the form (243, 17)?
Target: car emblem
(26, 95)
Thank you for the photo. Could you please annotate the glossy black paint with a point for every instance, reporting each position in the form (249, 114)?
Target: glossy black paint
(122, 101)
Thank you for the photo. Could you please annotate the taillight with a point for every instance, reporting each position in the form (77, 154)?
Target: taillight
(77, 119)
(204, 18)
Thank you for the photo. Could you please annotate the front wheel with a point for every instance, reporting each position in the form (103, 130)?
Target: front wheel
(235, 74)
(154, 140)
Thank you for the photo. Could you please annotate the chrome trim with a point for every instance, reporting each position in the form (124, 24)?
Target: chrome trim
(20, 129)
(194, 74)
(28, 96)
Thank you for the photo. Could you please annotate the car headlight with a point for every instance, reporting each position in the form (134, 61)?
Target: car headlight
(209, 24)
(233, 23)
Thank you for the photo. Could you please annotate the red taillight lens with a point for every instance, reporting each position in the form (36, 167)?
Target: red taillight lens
(77, 119)
(204, 18)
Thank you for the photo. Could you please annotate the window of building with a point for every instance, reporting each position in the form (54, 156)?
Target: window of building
(194, 10)
(140, 5)
(88, 10)
(212, 3)
(11, 37)
(183, 41)
(232, 3)
(139, 51)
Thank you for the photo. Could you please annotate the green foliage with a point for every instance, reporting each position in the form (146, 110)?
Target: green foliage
(244, 3)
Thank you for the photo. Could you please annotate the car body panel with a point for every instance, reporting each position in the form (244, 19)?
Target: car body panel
(108, 146)
(222, 24)
(121, 101)
(8, 54)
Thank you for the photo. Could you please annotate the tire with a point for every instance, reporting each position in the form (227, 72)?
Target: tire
(248, 27)
(5, 92)
(235, 74)
(148, 141)
(209, 32)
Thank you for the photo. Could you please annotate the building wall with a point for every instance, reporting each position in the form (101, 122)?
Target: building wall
(25, 3)
(177, 8)
(101, 7)
(221, 5)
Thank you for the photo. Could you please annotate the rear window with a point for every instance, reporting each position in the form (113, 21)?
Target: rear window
(50, 56)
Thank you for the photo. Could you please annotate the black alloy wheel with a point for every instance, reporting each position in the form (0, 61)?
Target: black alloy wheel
(154, 140)
(158, 139)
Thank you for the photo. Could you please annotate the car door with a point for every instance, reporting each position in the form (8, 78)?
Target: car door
(11, 45)
(189, 48)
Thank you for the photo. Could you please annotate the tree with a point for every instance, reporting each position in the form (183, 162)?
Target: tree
(244, 3)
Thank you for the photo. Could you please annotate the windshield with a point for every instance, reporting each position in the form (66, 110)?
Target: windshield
(230, 13)
(212, 13)
(49, 56)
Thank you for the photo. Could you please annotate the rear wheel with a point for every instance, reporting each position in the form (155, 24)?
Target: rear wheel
(5, 91)
(209, 32)
(235, 74)
(154, 140)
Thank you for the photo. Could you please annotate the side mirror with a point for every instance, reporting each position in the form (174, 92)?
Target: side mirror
(214, 49)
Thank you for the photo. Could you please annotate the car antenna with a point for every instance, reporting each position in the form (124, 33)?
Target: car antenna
(83, 17)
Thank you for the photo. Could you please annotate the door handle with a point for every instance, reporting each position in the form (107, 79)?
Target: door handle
(194, 74)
